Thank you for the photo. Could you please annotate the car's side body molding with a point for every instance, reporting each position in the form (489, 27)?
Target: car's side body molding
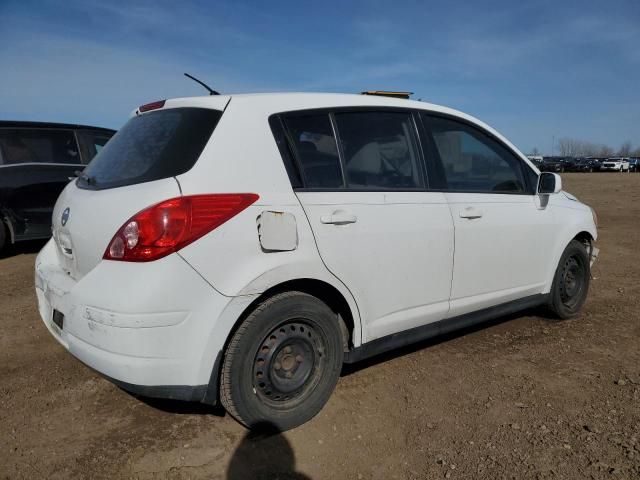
(430, 330)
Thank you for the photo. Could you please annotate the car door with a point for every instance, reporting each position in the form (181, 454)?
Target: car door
(376, 227)
(503, 234)
(36, 164)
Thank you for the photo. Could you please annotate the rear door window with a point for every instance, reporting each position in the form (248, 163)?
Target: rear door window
(472, 161)
(91, 142)
(152, 146)
(380, 150)
(19, 146)
(316, 150)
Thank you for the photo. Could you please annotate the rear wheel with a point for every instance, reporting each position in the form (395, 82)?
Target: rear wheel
(282, 363)
(571, 282)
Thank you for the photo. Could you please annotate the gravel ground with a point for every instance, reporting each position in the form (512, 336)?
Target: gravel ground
(522, 397)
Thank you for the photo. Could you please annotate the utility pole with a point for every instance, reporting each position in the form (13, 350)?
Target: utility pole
(553, 143)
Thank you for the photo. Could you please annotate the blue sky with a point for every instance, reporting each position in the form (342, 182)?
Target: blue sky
(533, 69)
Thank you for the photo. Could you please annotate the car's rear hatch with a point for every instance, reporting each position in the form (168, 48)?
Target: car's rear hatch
(135, 169)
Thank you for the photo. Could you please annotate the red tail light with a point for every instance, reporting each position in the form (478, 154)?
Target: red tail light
(168, 226)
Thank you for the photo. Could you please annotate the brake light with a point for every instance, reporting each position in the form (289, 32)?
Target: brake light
(168, 226)
(151, 106)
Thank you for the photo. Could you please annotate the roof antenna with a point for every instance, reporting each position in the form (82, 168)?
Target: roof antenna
(211, 91)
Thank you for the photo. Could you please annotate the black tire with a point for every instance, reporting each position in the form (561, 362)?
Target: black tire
(3, 235)
(571, 281)
(282, 363)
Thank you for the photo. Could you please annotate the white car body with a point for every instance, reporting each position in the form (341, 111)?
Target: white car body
(616, 164)
(400, 261)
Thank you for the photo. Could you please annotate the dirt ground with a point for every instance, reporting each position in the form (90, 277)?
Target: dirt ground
(523, 397)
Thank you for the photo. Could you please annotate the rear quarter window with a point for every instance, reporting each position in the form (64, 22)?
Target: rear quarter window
(152, 146)
(316, 150)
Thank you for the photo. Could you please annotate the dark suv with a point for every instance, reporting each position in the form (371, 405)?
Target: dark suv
(556, 164)
(36, 161)
(586, 165)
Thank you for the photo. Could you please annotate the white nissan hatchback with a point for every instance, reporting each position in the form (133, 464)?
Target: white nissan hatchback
(239, 249)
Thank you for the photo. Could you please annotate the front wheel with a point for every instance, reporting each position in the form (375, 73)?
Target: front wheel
(571, 281)
(282, 363)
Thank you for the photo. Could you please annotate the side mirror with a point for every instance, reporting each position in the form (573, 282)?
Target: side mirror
(549, 183)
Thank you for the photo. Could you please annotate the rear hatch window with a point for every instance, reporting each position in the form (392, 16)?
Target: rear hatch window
(152, 146)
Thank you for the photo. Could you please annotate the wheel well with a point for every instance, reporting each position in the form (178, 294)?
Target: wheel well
(7, 225)
(319, 289)
(5, 233)
(322, 290)
(585, 238)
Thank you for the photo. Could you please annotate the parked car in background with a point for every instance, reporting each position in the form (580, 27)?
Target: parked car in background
(569, 164)
(241, 248)
(36, 161)
(634, 164)
(615, 164)
(536, 160)
(586, 165)
(596, 162)
(550, 164)
(556, 164)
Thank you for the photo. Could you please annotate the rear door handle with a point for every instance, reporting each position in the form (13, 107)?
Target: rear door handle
(471, 213)
(339, 217)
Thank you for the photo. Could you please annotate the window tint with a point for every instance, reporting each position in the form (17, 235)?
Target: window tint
(473, 161)
(156, 145)
(316, 150)
(38, 146)
(380, 150)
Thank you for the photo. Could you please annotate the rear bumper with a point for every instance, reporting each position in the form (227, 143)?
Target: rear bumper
(155, 329)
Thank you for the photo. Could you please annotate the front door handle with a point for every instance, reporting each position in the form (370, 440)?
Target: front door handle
(471, 213)
(339, 217)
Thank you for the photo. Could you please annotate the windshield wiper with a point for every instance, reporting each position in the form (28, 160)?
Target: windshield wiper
(83, 176)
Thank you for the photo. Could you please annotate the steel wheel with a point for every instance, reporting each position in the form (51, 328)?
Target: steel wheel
(289, 363)
(572, 284)
(571, 281)
(282, 363)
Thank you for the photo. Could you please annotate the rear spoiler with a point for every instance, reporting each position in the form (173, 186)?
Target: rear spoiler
(385, 93)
